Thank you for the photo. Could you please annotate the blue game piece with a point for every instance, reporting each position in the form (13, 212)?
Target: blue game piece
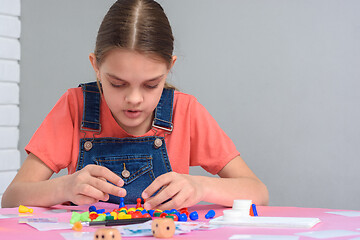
(92, 209)
(151, 212)
(174, 211)
(210, 214)
(122, 204)
(182, 218)
(144, 211)
(254, 210)
(98, 211)
(108, 214)
(167, 211)
(194, 216)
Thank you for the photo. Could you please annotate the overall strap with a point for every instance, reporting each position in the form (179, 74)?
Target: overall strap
(91, 110)
(164, 111)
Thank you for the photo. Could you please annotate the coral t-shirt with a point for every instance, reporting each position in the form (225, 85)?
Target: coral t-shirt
(196, 139)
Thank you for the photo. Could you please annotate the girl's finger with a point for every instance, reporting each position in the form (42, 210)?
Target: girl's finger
(82, 199)
(103, 172)
(157, 184)
(177, 202)
(107, 188)
(165, 194)
(92, 192)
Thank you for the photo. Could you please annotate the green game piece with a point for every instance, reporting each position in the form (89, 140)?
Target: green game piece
(75, 217)
(100, 218)
(109, 217)
(168, 216)
(157, 214)
(84, 217)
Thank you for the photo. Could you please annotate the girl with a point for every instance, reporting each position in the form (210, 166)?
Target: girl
(130, 133)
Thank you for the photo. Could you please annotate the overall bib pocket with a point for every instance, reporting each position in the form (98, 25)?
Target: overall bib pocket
(136, 171)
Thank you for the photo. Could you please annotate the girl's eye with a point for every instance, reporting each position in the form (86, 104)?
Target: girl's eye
(152, 86)
(117, 85)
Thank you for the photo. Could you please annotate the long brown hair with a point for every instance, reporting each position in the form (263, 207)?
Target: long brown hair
(139, 25)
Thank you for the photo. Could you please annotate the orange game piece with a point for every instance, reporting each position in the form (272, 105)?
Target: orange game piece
(77, 227)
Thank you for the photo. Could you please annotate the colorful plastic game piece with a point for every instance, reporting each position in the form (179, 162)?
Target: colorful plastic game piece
(210, 214)
(77, 226)
(138, 203)
(151, 212)
(107, 234)
(175, 217)
(182, 218)
(84, 217)
(163, 228)
(98, 211)
(92, 209)
(185, 211)
(194, 216)
(157, 214)
(23, 209)
(162, 215)
(75, 217)
(93, 215)
(253, 208)
(122, 204)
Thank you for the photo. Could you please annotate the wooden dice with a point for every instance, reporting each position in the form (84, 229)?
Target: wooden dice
(107, 234)
(163, 227)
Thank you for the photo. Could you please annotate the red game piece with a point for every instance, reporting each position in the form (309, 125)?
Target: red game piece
(93, 216)
(138, 205)
(137, 214)
(176, 218)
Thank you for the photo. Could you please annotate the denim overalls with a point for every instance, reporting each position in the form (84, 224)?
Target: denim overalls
(138, 161)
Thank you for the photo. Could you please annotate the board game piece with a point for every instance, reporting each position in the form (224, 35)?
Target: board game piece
(138, 203)
(23, 209)
(122, 204)
(210, 214)
(77, 226)
(194, 216)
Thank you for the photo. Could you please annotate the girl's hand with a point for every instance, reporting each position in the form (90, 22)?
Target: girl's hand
(182, 190)
(89, 185)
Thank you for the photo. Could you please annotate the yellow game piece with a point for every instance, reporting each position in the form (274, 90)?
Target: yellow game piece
(124, 216)
(77, 226)
(131, 210)
(114, 214)
(123, 208)
(158, 210)
(23, 209)
(140, 208)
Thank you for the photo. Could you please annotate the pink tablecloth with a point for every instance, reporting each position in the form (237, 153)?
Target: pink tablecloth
(11, 229)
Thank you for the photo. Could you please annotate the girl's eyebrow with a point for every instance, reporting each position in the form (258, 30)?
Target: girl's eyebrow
(149, 80)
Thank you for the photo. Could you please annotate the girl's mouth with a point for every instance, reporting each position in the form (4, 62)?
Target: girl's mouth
(132, 113)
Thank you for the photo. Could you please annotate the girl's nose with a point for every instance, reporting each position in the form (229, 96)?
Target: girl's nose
(134, 97)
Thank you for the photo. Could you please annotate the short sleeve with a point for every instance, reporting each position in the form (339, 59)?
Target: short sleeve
(53, 140)
(210, 147)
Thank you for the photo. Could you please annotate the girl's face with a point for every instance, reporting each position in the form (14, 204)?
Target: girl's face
(132, 85)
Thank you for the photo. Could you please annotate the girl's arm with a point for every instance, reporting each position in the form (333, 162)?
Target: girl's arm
(237, 182)
(32, 185)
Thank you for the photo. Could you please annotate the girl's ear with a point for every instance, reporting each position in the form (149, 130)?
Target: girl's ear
(92, 59)
(174, 58)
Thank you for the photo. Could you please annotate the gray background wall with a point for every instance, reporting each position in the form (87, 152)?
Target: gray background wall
(281, 77)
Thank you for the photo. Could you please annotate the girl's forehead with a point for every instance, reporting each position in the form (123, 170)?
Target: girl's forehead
(127, 59)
